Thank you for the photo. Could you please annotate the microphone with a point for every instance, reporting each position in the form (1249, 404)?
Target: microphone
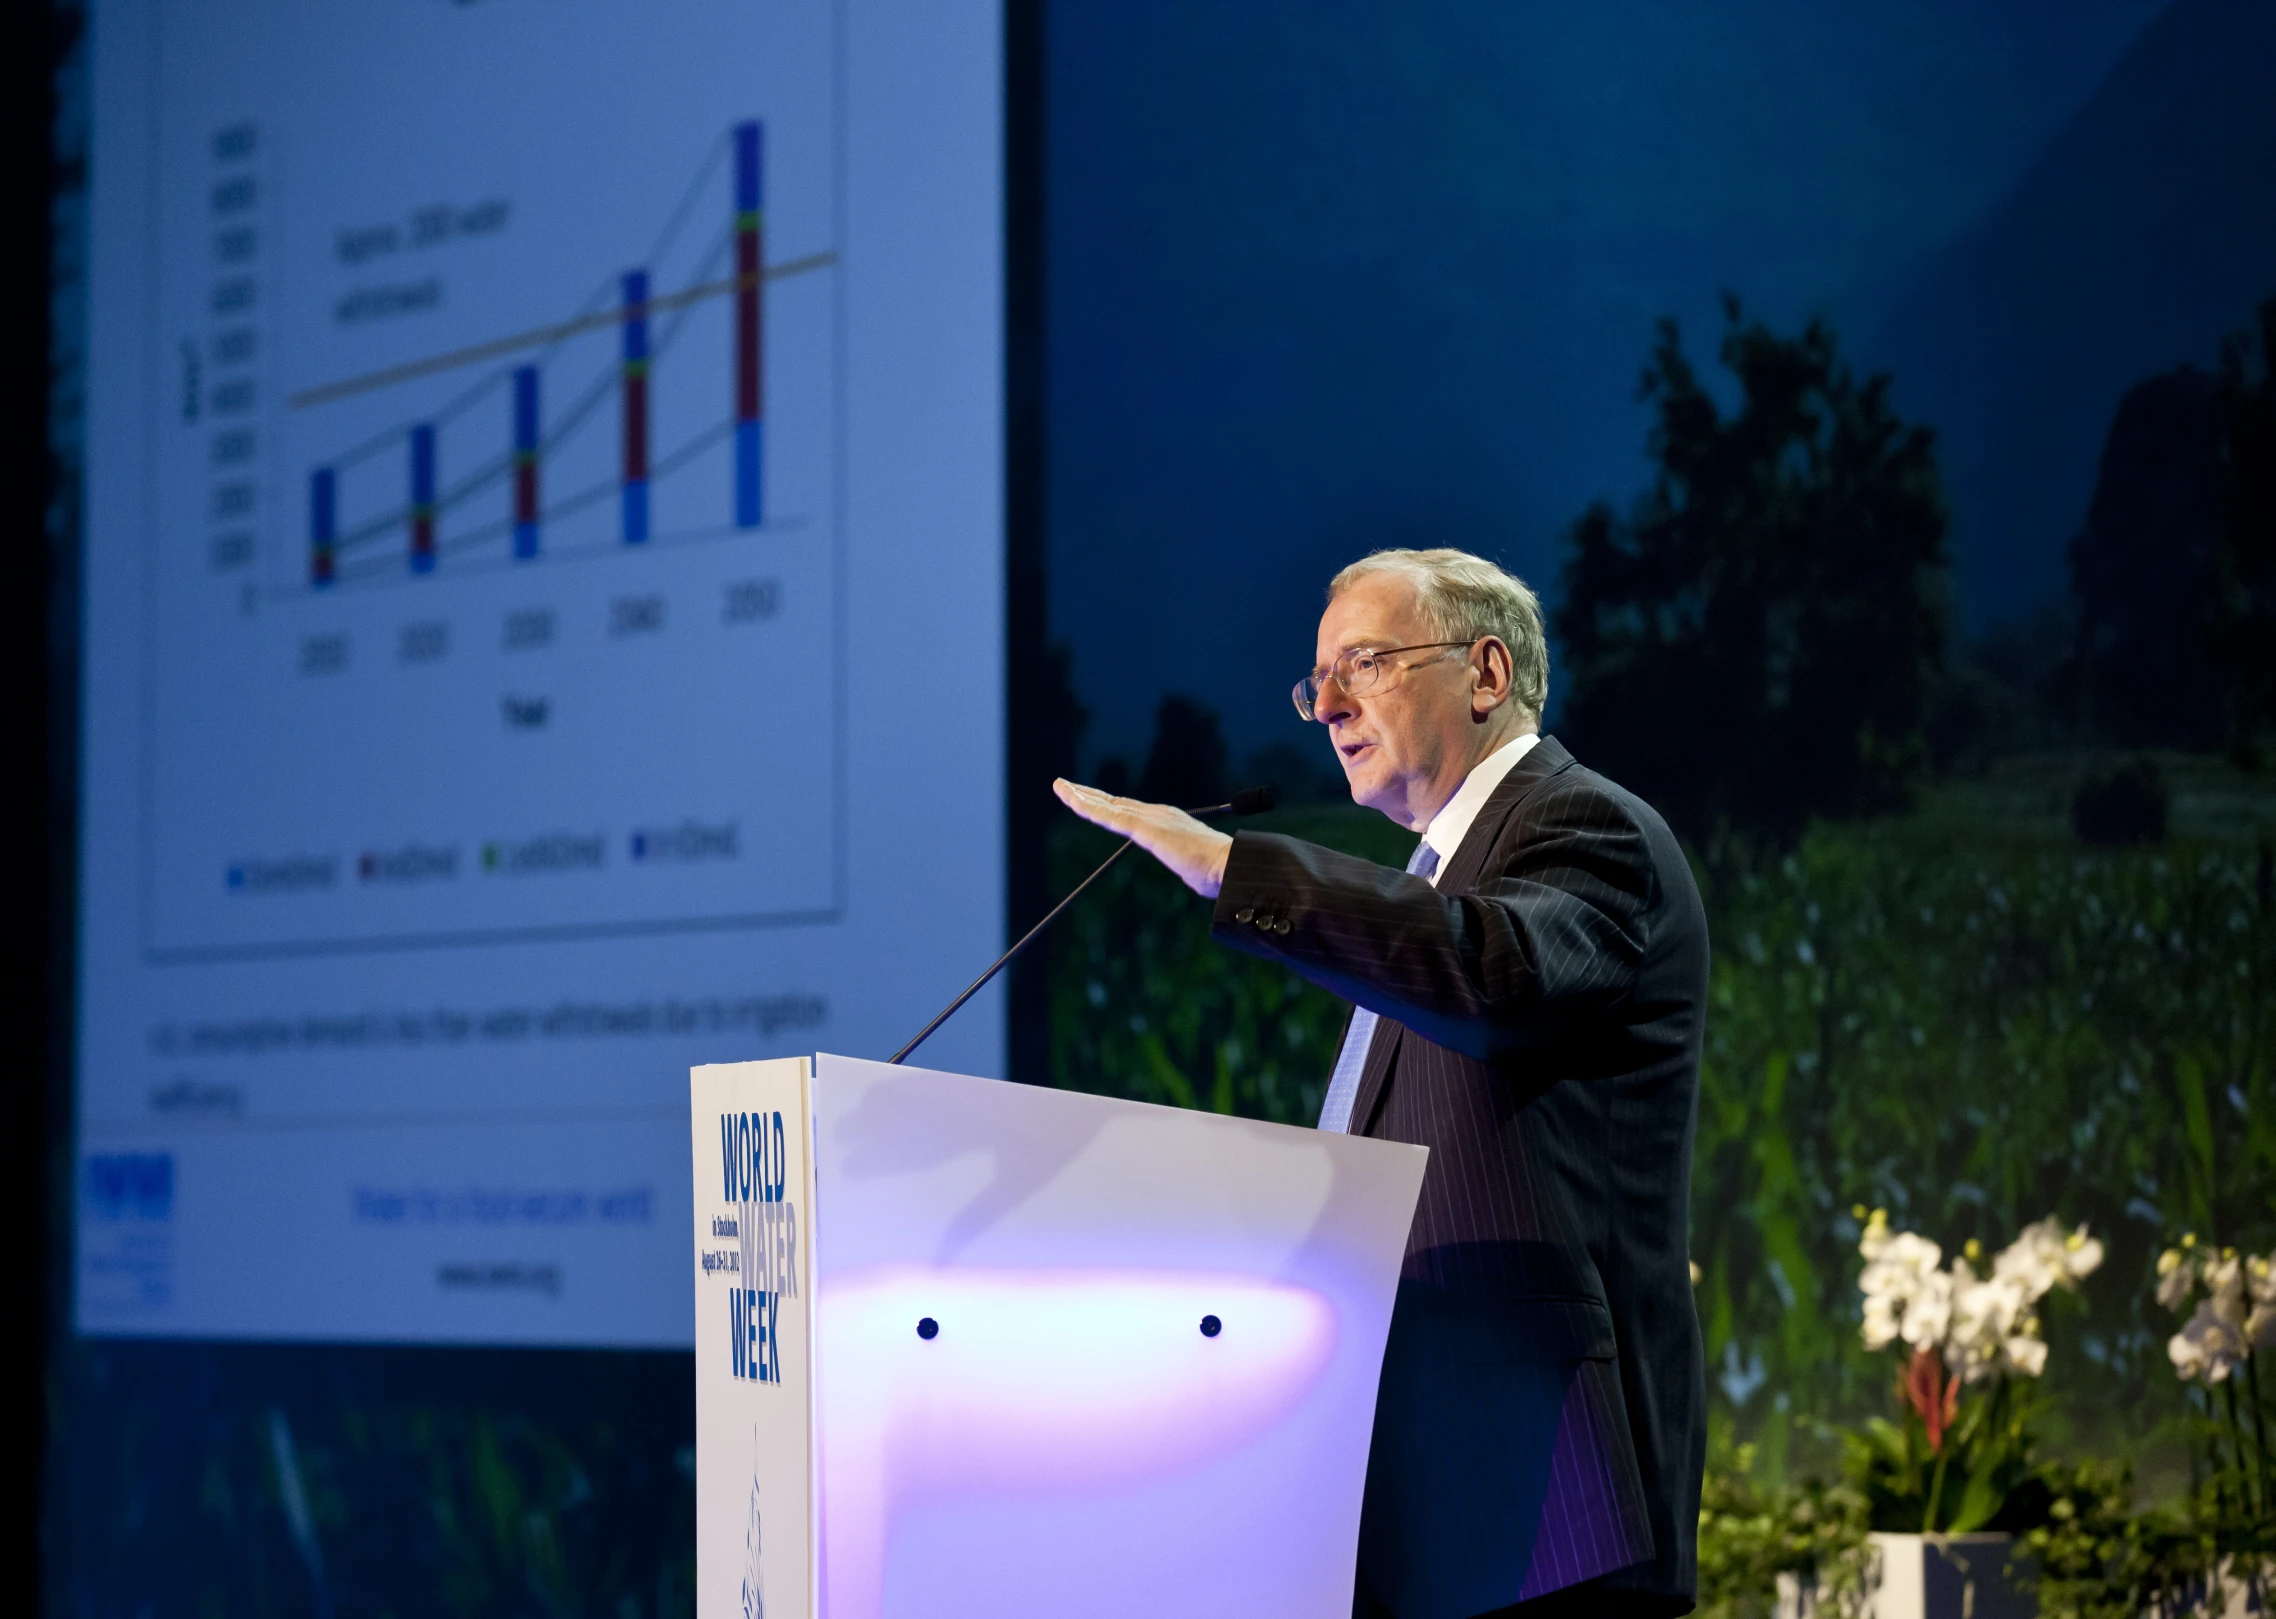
(1248, 801)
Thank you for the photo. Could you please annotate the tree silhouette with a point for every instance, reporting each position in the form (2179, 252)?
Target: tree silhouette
(1186, 764)
(2142, 569)
(2242, 633)
(1760, 640)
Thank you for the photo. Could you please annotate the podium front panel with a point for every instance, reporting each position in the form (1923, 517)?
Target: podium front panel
(754, 1385)
(1082, 1355)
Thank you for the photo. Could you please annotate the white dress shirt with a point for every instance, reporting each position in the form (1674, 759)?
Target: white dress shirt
(1439, 841)
(1448, 827)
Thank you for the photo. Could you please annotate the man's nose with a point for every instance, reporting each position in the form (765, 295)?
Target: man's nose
(1333, 702)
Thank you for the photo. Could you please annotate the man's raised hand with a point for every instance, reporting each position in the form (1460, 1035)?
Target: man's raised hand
(1194, 852)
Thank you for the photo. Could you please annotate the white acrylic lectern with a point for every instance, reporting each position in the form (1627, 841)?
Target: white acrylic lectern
(969, 1348)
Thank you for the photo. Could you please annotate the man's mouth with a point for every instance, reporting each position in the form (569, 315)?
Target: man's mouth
(1352, 750)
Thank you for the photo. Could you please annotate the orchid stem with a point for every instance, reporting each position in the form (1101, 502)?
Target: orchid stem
(2216, 1466)
(1951, 1441)
(1936, 1490)
(2259, 1433)
(2236, 1441)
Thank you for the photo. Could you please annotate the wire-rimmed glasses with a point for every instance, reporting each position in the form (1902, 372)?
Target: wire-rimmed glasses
(1358, 672)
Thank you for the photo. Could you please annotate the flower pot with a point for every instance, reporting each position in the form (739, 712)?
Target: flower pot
(1945, 1577)
(2243, 1593)
(1922, 1577)
(1800, 1598)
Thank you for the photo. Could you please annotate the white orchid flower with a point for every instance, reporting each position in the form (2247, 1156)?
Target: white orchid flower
(2208, 1346)
(1881, 1317)
(1985, 1315)
(2044, 1257)
(2030, 1254)
(1985, 1312)
(1929, 1314)
(1875, 1236)
(1881, 1281)
(2224, 1280)
(2176, 1278)
(2026, 1355)
(1900, 1269)
(2082, 1254)
(1909, 1248)
(2187, 1355)
(2260, 1327)
(2260, 1278)
(1983, 1326)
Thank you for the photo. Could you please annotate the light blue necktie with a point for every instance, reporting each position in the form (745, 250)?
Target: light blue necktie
(1351, 1061)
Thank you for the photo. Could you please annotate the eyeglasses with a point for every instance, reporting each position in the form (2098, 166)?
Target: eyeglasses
(1358, 672)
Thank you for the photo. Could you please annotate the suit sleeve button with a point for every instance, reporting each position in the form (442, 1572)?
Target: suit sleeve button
(1280, 926)
(1244, 913)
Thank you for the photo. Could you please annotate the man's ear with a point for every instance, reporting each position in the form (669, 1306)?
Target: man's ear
(1496, 680)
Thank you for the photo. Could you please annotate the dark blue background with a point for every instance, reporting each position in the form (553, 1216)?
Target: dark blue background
(1334, 275)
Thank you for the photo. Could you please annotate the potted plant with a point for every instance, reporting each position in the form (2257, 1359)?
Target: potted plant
(1772, 1551)
(2229, 1301)
(1952, 1480)
(2099, 1556)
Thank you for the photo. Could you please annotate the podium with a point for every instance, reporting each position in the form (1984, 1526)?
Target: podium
(966, 1347)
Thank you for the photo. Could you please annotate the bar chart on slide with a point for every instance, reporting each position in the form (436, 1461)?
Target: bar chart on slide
(507, 400)
(507, 438)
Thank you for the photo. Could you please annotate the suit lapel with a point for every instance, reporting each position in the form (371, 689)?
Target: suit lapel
(1546, 758)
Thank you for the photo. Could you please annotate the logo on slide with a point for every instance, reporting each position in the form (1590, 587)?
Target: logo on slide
(126, 1234)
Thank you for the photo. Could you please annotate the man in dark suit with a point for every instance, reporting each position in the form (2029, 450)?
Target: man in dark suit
(1529, 1001)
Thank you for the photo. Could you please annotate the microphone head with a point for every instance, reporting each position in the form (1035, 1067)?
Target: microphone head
(1254, 800)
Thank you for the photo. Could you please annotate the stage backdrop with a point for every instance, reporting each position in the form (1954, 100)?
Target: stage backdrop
(543, 627)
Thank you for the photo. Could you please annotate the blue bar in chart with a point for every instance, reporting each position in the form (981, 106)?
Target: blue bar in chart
(423, 498)
(323, 508)
(750, 341)
(525, 461)
(635, 407)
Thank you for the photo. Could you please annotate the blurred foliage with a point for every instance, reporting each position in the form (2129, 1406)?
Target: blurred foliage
(1750, 1533)
(2099, 1556)
(2129, 804)
(373, 1483)
(1981, 1477)
(1974, 1034)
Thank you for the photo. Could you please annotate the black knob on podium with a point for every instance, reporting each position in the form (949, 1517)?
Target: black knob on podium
(1211, 1326)
(928, 1329)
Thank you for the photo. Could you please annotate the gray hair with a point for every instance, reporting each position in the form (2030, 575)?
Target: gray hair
(1465, 598)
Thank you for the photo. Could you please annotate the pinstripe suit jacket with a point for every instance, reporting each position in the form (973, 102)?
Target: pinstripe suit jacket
(1541, 1420)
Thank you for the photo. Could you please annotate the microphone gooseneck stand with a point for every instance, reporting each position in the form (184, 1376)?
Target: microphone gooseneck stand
(1248, 801)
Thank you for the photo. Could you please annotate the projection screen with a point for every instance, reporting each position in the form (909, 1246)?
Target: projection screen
(543, 629)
